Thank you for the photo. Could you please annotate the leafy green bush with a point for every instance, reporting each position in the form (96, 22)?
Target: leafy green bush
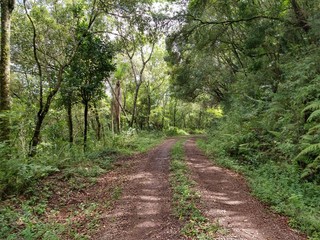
(19, 172)
(174, 131)
(280, 186)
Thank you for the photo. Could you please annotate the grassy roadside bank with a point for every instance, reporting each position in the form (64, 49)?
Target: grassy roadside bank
(186, 199)
(67, 203)
(280, 186)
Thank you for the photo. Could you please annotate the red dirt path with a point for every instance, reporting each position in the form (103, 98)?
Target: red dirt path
(226, 199)
(144, 210)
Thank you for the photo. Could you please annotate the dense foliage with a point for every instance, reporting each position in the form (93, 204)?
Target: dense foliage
(86, 75)
(258, 60)
(68, 60)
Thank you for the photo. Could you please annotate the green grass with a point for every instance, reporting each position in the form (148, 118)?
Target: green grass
(196, 225)
(280, 186)
(28, 185)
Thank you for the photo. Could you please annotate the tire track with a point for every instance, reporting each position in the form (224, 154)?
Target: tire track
(144, 211)
(226, 198)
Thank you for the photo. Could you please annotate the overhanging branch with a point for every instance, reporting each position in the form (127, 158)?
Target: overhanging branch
(232, 21)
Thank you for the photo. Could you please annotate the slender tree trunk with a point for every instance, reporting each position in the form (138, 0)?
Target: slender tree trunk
(135, 100)
(37, 130)
(200, 120)
(96, 114)
(43, 111)
(85, 131)
(163, 112)
(149, 112)
(7, 7)
(70, 120)
(175, 113)
(116, 108)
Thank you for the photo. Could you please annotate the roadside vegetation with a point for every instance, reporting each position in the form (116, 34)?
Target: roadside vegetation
(257, 63)
(186, 200)
(277, 184)
(56, 199)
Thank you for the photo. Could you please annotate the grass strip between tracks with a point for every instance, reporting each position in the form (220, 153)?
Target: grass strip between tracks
(186, 199)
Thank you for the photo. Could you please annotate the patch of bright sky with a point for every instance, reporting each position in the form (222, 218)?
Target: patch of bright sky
(169, 9)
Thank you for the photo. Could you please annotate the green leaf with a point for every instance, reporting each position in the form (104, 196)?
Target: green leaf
(313, 148)
(313, 106)
(314, 115)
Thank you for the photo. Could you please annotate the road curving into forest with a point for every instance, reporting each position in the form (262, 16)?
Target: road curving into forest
(145, 208)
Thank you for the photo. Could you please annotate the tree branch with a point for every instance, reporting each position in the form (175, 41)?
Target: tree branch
(231, 21)
(35, 54)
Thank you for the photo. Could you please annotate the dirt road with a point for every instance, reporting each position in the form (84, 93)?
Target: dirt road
(226, 199)
(145, 208)
(144, 211)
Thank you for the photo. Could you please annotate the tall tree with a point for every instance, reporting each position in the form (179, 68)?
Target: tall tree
(54, 49)
(7, 7)
(92, 64)
(138, 30)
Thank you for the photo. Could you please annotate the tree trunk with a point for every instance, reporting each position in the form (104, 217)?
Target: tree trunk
(175, 113)
(301, 16)
(36, 135)
(135, 100)
(149, 112)
(70, 120)
(85, 131)
(43, 110)
(200, 120)
(96, 113)
(116, 108)
(7, 7)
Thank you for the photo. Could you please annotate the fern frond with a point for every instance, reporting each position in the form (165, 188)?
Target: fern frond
(314, 115)
(314, 129)
(275, 134)
(313, 106)
(313, 148)
(311, 169)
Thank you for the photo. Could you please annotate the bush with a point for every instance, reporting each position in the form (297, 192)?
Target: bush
(280, 185)
(174, 131)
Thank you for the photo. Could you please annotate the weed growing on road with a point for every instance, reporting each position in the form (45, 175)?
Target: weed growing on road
(115, 195)
(186, 199)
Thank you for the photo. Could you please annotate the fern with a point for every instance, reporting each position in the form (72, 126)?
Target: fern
(312, 168)
(310, 143)
(311, 149)
(313, 106)
(314, 115)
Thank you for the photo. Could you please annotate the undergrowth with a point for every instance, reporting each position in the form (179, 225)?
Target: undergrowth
(27, 186)
(174, 131)
(196, 225)
(279, 185)
(21, 172)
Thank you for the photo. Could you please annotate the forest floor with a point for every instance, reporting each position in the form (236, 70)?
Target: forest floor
(145, 211)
